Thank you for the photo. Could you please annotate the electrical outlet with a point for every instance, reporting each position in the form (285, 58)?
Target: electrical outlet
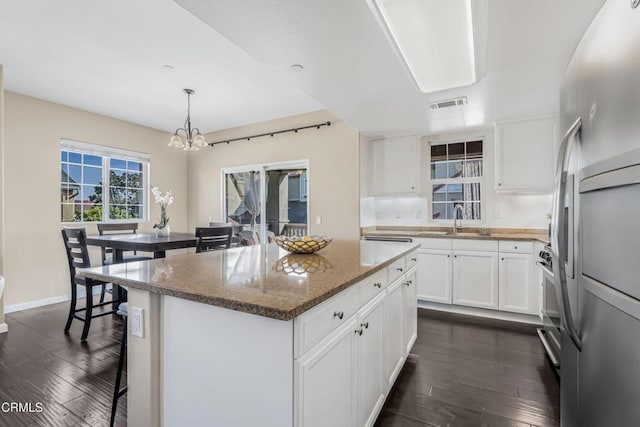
(378, 214)
(419, 214)
(318, 220)
(497, 213)
(137, 322)
(398, 214)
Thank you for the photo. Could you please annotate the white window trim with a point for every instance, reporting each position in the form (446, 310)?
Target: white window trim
(106, 153)
(481, 180)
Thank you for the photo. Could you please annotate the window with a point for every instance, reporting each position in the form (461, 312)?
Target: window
(456, 179)
(101, 183)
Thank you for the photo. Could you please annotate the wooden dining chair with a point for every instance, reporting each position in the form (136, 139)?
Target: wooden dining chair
(213, 238)
(78, 257)
(117, 228)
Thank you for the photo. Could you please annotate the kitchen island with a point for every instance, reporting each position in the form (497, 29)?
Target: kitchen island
(256, 336)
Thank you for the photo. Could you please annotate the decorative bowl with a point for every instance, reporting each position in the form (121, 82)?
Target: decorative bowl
(302, 245)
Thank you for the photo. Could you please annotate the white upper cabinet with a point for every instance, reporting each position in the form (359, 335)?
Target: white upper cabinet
(525, 154)
(394, 166)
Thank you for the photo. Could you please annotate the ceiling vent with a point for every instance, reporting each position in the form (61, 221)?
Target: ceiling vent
(448, 103)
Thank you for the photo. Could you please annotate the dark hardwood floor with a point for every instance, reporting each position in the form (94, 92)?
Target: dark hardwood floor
(465, 371)
(73, 380)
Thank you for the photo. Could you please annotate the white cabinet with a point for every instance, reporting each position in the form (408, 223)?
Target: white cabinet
(393, 313)
(326, 380)
(434, 275)
(475, 279)
(525, 154)
(370, 373)
(394, 165)
(410, 317)
(518, 293)
(354, 357)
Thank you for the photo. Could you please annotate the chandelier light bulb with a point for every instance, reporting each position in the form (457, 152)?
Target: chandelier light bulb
(176, 141)
(199, 141)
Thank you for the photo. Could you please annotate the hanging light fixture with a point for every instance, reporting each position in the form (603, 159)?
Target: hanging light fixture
(194, 139)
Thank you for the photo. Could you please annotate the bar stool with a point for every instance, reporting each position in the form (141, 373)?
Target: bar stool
(117, 390)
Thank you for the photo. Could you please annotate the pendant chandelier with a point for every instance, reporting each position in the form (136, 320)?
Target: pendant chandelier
(193, 139)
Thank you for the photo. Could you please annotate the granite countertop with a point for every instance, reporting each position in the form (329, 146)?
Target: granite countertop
(532, 234)
(262, 279)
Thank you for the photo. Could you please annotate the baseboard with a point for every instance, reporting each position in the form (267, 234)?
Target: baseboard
(480, 312)
(46, 301)
(3, 328)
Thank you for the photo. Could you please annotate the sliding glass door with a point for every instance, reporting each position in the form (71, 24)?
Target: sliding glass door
(268, 200)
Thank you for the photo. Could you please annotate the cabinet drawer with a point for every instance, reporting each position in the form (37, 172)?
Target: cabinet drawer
(516, 246)
(372, 285)
(475, 245)
(434, 243)
(396, 269)
(315, 324)
(411, 260)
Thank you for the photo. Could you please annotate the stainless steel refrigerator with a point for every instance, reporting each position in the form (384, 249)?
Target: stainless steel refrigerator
(596, 223)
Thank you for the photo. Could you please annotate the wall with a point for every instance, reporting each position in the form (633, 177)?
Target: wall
(333, 169)
(500, 210)
(35, 261)
(3, 326)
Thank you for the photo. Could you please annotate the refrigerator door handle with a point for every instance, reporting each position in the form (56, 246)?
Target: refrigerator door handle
(558, 244)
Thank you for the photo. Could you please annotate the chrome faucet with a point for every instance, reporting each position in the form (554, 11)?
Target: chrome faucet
(455, 218)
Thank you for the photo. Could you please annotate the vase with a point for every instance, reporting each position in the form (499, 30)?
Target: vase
(163, 232)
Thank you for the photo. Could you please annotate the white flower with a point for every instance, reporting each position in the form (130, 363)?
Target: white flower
(161, 199)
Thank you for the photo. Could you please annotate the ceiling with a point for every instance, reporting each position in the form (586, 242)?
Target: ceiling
(107, 57)
(351, 68)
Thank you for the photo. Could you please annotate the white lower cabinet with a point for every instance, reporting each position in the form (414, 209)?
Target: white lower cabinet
(434, 275)
(325, 380)
(475, 279)
(342, 380)
(370, 373)
(410, 317)
(393, 313)
(518, 292)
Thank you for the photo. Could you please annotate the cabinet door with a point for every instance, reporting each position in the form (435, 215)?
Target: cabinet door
(518, 293)
(325, 380)
(410, 311)
(434, 275)
(475, 279)
(394, 330)
(370, 374)
(525, 154)
(395, 165)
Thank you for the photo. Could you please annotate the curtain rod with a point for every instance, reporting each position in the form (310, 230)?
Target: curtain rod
(248, 138)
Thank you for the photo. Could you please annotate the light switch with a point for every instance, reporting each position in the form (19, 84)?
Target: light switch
(137, 322)
(318, 220)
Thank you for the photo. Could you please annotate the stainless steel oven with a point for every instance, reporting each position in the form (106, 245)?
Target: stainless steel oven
(551, 318)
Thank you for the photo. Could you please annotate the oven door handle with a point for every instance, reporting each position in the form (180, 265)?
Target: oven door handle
(558, 244)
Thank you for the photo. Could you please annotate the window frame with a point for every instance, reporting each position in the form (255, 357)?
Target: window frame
(445, 181)
(107, 153)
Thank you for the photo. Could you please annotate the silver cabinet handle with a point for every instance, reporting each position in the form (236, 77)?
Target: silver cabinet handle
(365, 324)
(515, 247)
(377, 285)
(358, 331)
(338, 314)
(502, 259)
(558, 244)
(399, 269)
(414, 259)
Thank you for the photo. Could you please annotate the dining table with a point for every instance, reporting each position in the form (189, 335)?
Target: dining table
(143, 242)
